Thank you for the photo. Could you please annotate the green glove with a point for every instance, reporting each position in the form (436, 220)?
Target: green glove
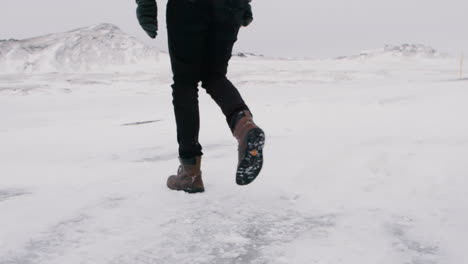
(147, 14)
(248, 16)
(241, 11)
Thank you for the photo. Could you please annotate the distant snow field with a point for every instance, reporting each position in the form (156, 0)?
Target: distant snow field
(366, 160)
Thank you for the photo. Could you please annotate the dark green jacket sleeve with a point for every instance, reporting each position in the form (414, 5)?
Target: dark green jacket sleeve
(147, 15)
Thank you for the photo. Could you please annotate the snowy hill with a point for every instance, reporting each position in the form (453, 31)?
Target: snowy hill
(247, 55)
(398, 52)
(102, 47)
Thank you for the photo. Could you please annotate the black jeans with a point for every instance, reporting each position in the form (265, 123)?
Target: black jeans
(200, 47)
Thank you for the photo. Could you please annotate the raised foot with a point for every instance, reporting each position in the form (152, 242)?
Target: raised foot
(251, 165)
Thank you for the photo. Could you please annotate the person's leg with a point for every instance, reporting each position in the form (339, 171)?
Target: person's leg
(218, 50)
(187, 30)
(251, 138)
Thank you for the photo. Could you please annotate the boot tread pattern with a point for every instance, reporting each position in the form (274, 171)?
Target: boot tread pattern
(252, 163)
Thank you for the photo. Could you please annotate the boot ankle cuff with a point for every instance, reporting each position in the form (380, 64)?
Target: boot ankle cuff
(189, 161)
(234, 118)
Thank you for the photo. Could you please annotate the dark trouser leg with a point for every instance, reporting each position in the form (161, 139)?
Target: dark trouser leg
(218, 50)
(187, 30)
(185, 101)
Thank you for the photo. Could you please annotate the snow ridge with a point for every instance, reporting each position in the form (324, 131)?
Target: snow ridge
(102, 47)
(399, 51)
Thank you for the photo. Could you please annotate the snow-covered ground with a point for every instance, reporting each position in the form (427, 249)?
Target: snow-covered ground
(366, 162)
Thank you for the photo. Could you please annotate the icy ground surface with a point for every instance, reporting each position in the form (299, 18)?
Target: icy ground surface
(366, 162)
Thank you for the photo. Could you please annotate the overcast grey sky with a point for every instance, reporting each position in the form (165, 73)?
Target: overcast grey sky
(310, 28)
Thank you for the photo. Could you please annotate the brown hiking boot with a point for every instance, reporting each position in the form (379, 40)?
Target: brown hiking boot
(188, 178)
(251, 140)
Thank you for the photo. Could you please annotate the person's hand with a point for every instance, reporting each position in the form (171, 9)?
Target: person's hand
(248, 16)
(147, 15)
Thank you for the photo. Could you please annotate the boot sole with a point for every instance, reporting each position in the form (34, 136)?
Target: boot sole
(189, 190)
(251, 165)
(194, 191)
